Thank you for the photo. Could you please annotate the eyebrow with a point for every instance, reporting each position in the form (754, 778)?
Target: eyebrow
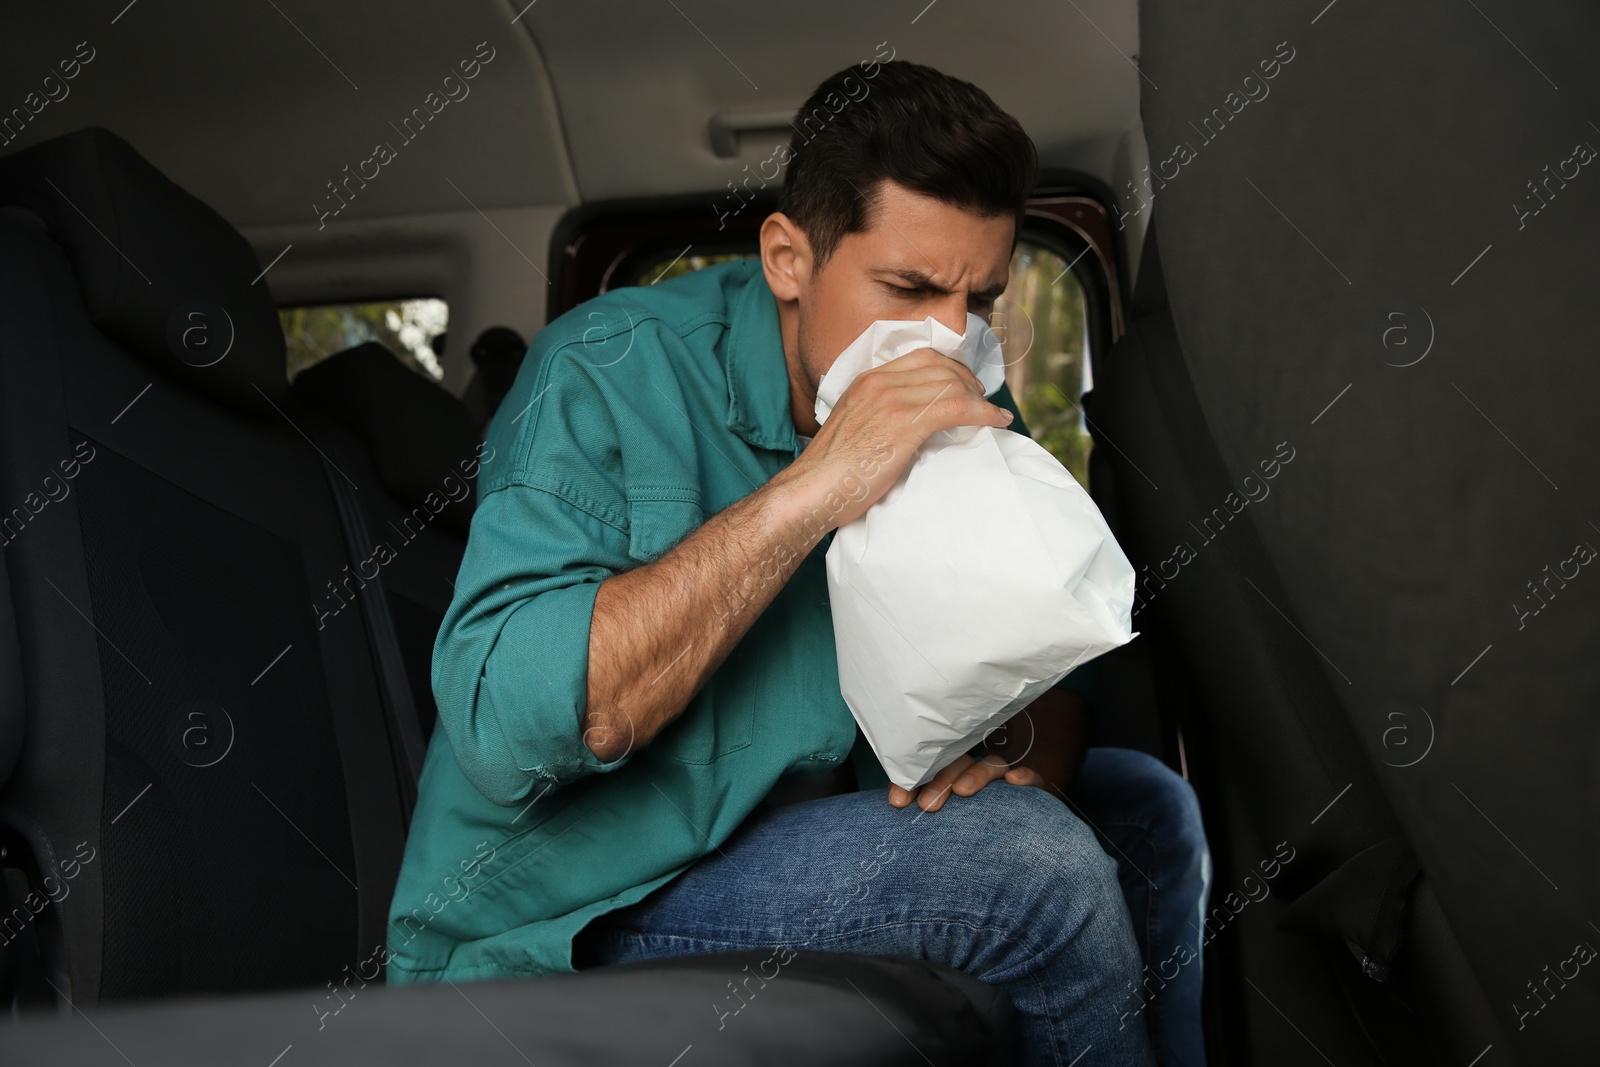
(925, 281)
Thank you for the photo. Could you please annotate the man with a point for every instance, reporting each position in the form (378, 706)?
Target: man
(644, 750)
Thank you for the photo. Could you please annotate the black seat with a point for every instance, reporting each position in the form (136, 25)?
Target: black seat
(425, 454)
(821, 1008)
(497, 355)
(1277, 763)
(190, 734)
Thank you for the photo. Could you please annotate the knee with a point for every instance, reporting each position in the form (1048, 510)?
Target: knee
(1033, 877)
(1165, 803)
(1177, 820)
(1052, 862)
(1049, 829)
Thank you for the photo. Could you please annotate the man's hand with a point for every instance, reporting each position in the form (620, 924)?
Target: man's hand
(880, 422)
(1041, 746)
(965, 777)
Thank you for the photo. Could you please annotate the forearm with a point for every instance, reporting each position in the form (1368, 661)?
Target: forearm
(659, 631)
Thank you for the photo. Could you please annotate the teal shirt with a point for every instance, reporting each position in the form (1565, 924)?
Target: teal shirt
(636, 416)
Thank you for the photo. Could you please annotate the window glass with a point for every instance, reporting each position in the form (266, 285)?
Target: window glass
(412, 329)
(1042, 321)
(1043, 324)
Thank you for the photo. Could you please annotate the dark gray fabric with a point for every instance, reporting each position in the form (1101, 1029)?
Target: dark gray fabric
(1363, 904)
(821, 1008)
(498, 354)
(1268, 746)
(418, 433)
(1374, 207)
(418, 507)
(106, 765)
(229, 762)
(405, 732)
(160, 272)
(13, 709)
(59, 768)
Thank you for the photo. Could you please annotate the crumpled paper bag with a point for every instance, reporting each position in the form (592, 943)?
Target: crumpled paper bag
(979, 580)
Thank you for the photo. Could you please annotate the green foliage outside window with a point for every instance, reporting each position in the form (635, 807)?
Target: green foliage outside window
(406, 327)
(1042, 323)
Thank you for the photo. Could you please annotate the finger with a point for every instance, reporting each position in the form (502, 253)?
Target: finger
(1026, 776)
(963, 372)
(979, 775)
(900, 797)
(932, 796)
(941, 376)
(944, 371)
(925, 357)
(970, 378)
(932, 359)
(940, 406)
(955, 408)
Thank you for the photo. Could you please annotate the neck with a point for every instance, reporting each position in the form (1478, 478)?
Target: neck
(802, 390)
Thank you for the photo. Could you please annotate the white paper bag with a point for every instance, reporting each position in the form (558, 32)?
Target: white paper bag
(977, 582)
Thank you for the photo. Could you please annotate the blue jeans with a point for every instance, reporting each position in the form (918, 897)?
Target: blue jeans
(1147, 819)
(1007, 885)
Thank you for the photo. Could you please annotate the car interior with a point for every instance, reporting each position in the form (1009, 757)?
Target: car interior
(268, 270)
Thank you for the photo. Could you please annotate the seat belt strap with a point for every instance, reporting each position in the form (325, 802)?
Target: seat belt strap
(399, 706)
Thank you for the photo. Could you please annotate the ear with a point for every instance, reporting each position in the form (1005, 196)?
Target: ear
(785, 257)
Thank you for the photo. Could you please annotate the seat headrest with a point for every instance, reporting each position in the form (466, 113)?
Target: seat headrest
(498, 345)
(421, 437)
(162, 275)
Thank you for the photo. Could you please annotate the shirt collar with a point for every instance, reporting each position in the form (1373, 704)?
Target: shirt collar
(758, 375)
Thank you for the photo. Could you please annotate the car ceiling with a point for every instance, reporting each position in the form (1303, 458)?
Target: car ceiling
(255, 107)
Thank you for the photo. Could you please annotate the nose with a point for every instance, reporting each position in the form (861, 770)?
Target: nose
(952, 312)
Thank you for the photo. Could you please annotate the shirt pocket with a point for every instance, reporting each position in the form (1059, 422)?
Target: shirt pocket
(656, 525)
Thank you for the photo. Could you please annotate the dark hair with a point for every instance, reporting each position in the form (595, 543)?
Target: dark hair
(912, 124)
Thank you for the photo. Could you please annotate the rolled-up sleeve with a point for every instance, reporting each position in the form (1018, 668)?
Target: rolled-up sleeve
(510, 664)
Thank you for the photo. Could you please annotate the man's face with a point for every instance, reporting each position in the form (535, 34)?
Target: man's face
(918, 257)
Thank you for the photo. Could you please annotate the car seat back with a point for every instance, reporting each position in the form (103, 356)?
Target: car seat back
(207, 794)
(1382, 275)
(418, 506)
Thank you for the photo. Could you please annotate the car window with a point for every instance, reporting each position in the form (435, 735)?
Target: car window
(1043, 324)
(413, 329)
